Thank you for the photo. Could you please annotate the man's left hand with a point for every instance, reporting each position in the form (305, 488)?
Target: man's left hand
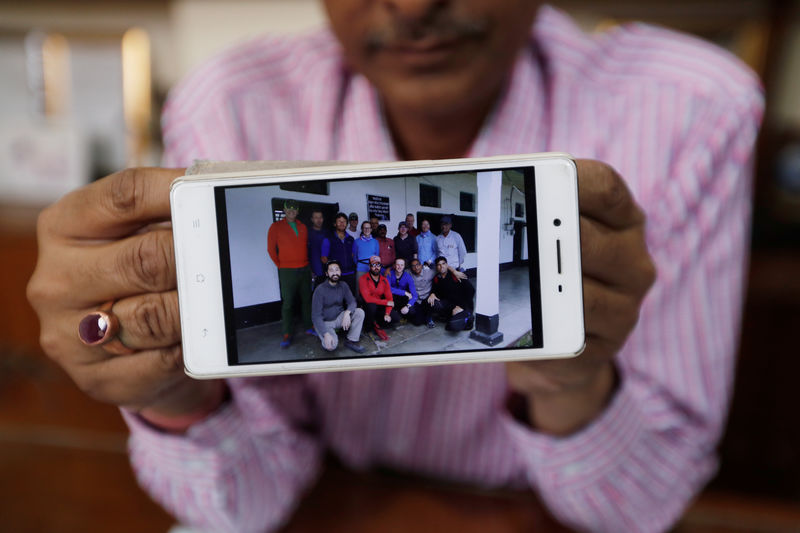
(565, 395)
(346, 321)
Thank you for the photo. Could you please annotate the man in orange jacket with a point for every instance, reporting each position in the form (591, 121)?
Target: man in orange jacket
(287, 244)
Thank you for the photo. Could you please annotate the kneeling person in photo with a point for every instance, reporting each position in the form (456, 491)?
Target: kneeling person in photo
(404, 293)
(333, 306)
(423, 283)
(451, 297)
(379, 308)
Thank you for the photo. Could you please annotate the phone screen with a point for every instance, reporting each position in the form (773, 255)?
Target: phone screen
(414, 241)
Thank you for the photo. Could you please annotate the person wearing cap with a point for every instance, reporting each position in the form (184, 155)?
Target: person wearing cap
(450, 244)
(287, 244)
(379, 311)
(352, 226)
(405, 245)
(413, 231)
(426, 244)
(385, 248)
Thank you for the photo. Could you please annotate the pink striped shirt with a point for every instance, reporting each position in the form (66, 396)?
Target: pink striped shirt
(675, 116)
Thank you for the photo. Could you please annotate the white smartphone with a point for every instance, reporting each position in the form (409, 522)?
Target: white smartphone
(496, 274)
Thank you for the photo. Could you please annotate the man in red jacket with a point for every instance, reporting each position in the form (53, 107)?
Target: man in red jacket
(287, 244)
(379, 308)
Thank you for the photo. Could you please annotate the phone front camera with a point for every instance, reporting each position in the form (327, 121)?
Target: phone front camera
(557, 222)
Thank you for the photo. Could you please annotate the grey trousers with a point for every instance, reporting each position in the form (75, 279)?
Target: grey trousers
(353, 334)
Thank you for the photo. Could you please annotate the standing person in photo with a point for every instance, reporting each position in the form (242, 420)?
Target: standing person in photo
(352, 226)
(426, 245)
(316, 235)
(405, 245)
(339, 246)
(287, 244)
(412, 230)
(450, 244)
(385, 249)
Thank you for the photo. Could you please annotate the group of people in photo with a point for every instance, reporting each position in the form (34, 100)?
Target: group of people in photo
(367, 281)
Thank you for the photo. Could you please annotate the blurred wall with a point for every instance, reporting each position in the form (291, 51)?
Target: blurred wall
(185, 32)
(202, 28)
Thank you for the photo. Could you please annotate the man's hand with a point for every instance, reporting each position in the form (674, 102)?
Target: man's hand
(346, 321)
(390, 303)
(408, 295)
(432, 299)
(387, 318)
(404, 310)
(108, 242)
(565, 395)
(328, 340)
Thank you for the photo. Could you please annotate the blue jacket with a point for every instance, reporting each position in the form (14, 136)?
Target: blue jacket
(400, 286)
(342, 250)
(315, 240)
(363, 249)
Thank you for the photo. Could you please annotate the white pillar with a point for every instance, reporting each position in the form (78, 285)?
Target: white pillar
(487, 298)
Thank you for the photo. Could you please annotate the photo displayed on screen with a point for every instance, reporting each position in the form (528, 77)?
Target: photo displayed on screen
(374, 267)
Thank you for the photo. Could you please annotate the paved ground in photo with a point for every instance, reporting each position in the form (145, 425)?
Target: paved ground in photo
(261, 343)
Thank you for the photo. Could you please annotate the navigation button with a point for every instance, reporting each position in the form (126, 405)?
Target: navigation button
(200, 278)
(196, 223)
(204, 332)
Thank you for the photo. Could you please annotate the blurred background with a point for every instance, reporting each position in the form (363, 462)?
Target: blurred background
(81, 87)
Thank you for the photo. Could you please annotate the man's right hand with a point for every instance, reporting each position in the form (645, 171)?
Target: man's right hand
(108, 241)
(432, 299)
(328, 340)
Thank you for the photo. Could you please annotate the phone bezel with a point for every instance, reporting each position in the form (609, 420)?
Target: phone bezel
(197, 251)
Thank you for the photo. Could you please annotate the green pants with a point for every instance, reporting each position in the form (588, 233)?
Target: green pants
(294, 280)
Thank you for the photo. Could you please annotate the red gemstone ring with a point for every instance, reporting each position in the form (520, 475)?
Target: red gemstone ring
(100, 328)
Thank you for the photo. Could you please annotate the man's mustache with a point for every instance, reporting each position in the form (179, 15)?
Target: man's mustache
(445, 27)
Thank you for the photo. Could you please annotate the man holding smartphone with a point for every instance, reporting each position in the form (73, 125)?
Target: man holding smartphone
(617, 439)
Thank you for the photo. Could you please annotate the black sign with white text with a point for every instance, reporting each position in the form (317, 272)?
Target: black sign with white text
(378, 206)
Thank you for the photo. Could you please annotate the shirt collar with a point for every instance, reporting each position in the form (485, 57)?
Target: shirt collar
(518, 123)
